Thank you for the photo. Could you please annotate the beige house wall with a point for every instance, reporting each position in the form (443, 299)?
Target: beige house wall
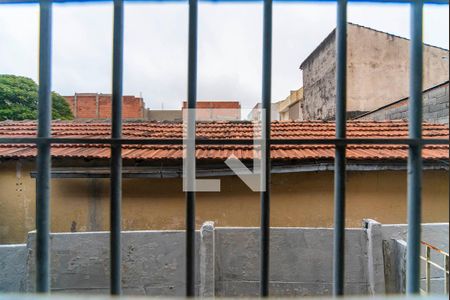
(378, 68)
(289, 108)
(163, 115)
(298, 199)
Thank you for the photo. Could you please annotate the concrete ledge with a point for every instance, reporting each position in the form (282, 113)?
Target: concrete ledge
(375, 262)
(207, 260)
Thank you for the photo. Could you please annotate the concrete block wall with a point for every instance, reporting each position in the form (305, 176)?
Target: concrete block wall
(227, 261)
(300, 264)
(435, 107)
(153, 263)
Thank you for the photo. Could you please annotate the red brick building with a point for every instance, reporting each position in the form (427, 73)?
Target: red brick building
(98, 106)
(217, 110)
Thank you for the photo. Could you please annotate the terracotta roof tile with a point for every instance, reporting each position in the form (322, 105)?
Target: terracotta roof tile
(229, 130)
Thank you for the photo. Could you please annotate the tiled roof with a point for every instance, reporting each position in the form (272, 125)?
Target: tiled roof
(230, 130)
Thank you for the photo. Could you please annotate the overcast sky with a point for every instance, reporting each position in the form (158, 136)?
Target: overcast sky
(155, 60)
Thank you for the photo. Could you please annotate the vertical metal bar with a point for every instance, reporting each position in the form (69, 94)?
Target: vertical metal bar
(339, 161)
(116, 150)
(427, 270)
(266, 164)
(446, 273)
(43, 156)
(415, 151)
(190, 195)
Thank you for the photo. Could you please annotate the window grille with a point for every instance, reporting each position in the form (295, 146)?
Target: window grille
(44, 141)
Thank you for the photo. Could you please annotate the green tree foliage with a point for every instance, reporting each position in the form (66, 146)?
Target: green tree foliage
(19, 100)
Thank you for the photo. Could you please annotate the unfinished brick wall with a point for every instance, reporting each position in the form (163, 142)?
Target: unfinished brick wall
(98, 106)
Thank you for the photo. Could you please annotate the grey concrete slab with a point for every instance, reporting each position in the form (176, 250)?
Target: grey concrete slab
(13, 260)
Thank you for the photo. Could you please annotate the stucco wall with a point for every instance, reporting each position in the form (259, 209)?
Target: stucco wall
(275, 115)
(435, 108)
(378, 68)
(394, 238)
(227, 261)
(163, 115)
(298, 200)
(294, 111)
(435, 234)
(377, 72)
(153, 262)
(17, 201)
(13, 261)
(300, 263)
(319, 83)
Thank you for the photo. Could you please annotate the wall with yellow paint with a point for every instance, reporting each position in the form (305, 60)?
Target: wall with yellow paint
(298, 199)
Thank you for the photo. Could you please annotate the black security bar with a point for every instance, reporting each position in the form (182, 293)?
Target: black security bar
(43, 141)
(43, 154)
(190, 151)
(415, 151)
(116, 150)
(265, 157)
(339, 158)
